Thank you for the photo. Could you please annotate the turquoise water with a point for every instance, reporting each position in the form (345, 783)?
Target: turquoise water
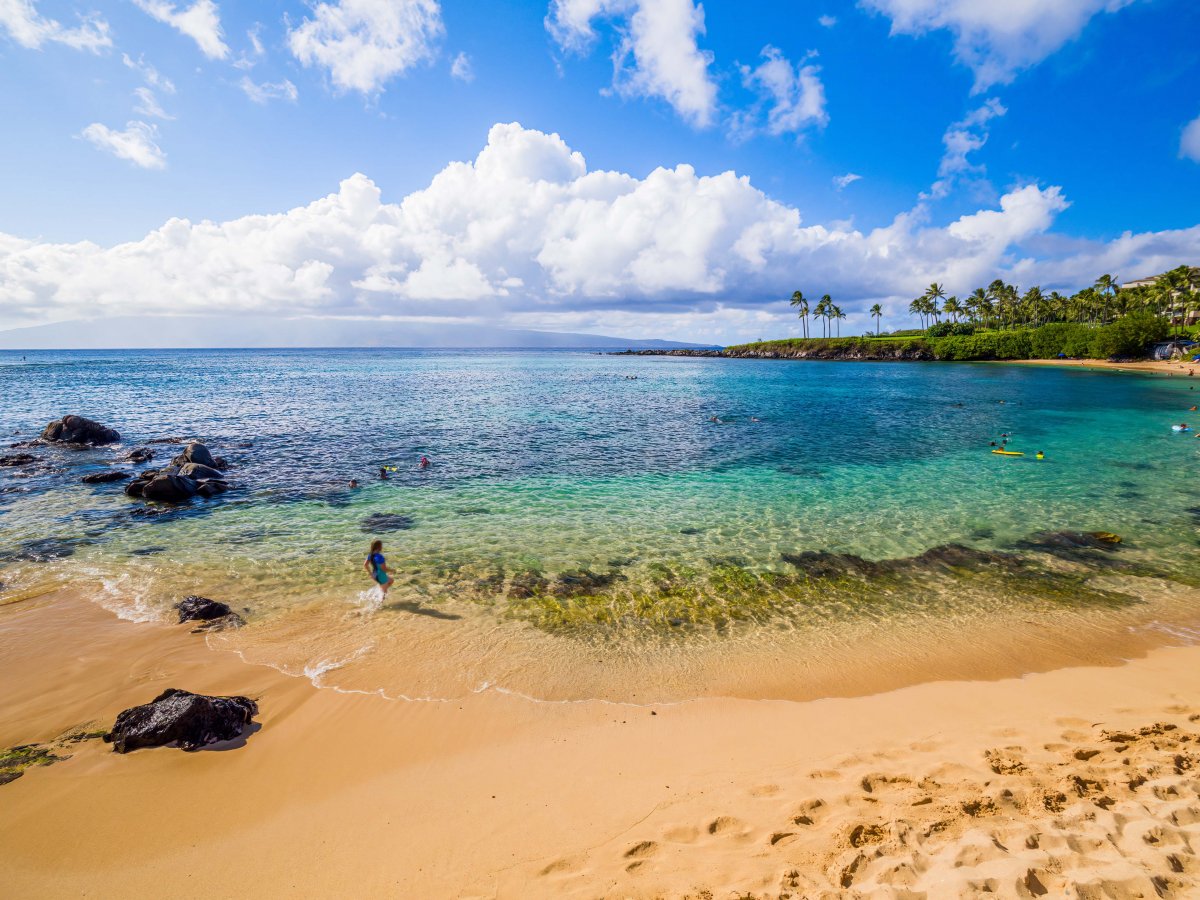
(583, 514)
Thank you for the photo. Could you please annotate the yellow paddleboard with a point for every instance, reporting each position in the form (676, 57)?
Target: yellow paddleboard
(1007, 453)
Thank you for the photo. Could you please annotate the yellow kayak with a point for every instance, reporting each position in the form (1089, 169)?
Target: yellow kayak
(1007, 453)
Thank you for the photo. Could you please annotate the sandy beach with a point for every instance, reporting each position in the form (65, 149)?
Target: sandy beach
(1156, 366)
(1077, 782)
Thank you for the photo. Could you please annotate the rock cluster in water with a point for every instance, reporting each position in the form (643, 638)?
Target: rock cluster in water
(194, 472)
(79, 431)
(190, 721)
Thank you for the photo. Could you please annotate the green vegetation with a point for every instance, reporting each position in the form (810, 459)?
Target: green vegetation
(999, 322)
(1127, 336)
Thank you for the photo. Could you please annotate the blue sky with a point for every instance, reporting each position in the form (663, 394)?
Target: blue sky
(988, 140)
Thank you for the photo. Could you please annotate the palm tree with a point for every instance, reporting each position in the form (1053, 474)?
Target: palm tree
(877, 312)
(1107, 285)
(952, 308)
(980, 304)
(826, 307)
(801, 305)
(838, 315)
(1032, 304)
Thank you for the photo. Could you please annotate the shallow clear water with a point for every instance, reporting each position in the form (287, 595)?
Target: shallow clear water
(586, 530)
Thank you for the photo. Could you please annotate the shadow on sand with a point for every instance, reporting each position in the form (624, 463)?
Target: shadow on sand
(419, 610)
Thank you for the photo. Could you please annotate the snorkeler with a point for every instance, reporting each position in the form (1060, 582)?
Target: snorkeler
(376, 566)
(383, 472)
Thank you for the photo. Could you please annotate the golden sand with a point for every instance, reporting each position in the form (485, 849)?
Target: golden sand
(1076, 782)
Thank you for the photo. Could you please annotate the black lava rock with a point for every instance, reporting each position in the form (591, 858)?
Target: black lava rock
(139, 455)
(16, 459)
(180, 717)
(195, 452)
(169, 488)
(104, 477)
(78, 430)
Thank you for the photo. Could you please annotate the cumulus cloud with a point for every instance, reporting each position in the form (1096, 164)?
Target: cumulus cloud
(28, 28)
(827, 21)
(137, 143)
(791, 94)
(526, 234)
(960, 140)
(1189, 141)
(266, 91)
(461, 69)
(996, 40)
(657, 53)
(365, 43)
(201, 22)
(841, 182)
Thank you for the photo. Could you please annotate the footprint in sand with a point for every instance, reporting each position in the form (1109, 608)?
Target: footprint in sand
(682, 834)
(765, 790)
(861, 835)
(728, 825)
(641, 850)
(809, 813)
(875, 781)
(563, 866)
(1006, 761)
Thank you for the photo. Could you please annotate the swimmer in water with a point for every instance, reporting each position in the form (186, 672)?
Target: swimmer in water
(424, 463)
(383, 472)
(353, 482)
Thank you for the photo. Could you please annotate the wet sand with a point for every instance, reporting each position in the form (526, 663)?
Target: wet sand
(1079, 780)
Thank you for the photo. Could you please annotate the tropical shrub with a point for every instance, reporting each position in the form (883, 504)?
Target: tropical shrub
(1130, 335)
(948, 329)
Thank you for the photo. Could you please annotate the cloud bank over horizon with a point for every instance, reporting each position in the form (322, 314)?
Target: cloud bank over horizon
(526, 236)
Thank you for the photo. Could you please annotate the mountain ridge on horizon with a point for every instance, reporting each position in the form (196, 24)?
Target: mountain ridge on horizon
(262, 333)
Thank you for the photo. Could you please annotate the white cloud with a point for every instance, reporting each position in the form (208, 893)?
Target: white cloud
(201, 22)
(149, 73)
(366, 43)
(147, 104)
(996, 39)
(660, 36)
(137, 143)
(1189, 141)
(266, 91)
(844, 181)
(827, 21)
(255, 40)
(526, 234)
(793, 94)
(31, 30)
(960, 140)
(461, 69)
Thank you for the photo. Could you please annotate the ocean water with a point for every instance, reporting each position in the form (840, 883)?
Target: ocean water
(586, 530)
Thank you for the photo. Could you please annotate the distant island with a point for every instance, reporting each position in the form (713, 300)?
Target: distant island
(264, 332)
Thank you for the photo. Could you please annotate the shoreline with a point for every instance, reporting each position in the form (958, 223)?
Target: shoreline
(940, 784)
(1141, 366)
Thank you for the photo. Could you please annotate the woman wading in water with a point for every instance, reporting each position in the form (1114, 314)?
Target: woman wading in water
(376, 565)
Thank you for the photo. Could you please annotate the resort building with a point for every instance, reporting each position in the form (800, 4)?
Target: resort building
(1184, 311)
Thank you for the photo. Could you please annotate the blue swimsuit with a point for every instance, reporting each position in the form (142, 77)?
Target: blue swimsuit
(377, 563)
